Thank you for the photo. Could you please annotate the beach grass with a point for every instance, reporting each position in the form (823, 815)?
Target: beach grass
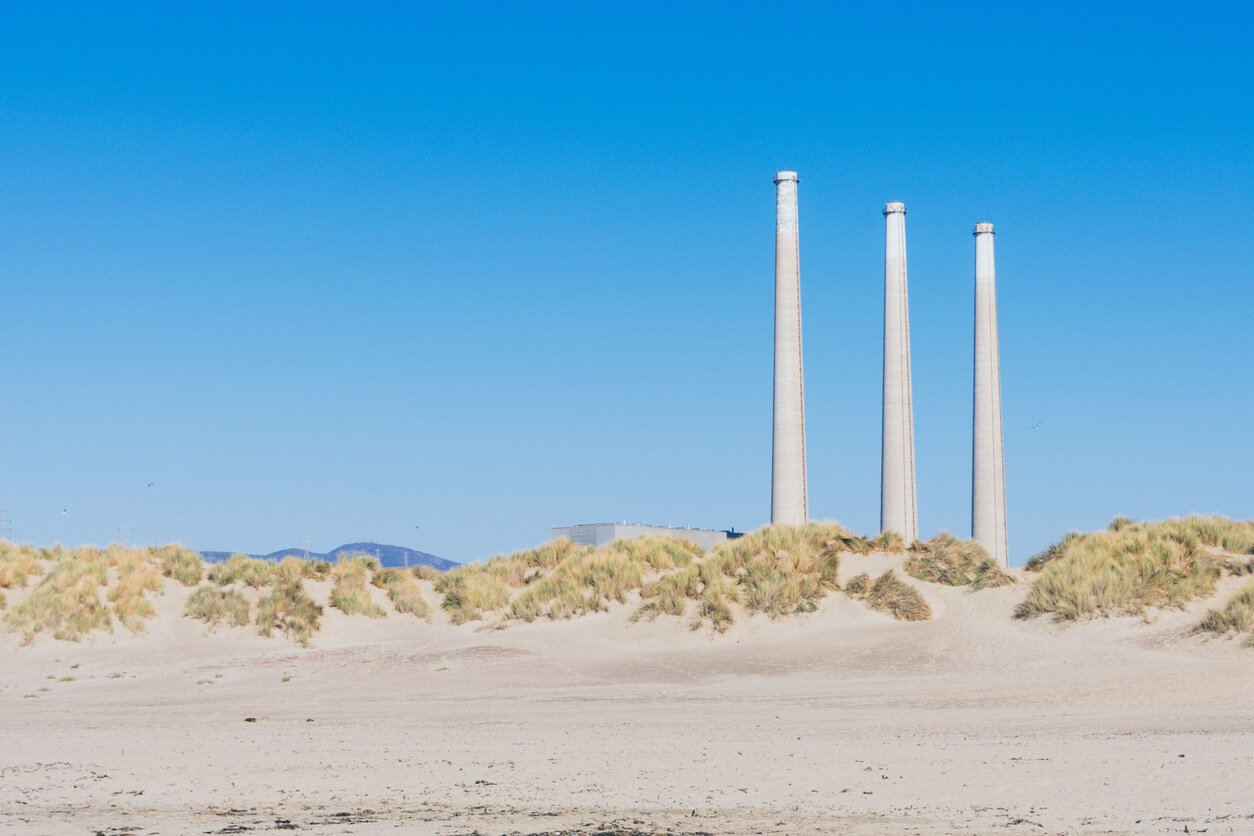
(890, 594)
(240, 568)
(470, 592)
(287, 607)
(18, 563)
(776, 571)
(1237, 616)
(215, 605)
(349, 595)
(67, 602)
(184, 565)
(137, 575)
(404, 591)
(1132, 567)
(947, 560)
(858, 586)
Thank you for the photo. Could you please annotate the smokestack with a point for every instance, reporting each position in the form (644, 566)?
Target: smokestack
(789, 504)
(897, 497)
(988, 474)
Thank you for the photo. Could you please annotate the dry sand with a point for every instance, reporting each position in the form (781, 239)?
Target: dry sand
(842, 721)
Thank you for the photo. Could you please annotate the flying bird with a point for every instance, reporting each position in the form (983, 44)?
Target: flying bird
(1037, 424)
(150, 484)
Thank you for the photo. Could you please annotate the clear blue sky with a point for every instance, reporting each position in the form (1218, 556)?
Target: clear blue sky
(446, 275)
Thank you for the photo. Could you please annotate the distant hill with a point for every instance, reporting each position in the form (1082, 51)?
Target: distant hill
(389, 556)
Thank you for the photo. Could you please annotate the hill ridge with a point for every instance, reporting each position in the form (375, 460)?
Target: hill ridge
(389, 556)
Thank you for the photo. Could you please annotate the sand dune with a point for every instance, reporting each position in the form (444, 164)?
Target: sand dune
(842, 720)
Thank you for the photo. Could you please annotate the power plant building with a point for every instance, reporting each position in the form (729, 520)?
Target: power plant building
(595, 535)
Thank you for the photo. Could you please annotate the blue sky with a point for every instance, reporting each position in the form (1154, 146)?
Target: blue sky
(447, 275)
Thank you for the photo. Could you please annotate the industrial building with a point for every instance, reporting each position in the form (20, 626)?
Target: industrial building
(596, 535)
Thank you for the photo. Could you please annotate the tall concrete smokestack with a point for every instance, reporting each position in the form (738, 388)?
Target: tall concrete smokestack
(897, 497)
(988, 474)
(789, 504)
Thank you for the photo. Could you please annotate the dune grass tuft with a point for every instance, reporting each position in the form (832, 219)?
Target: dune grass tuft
(559, 579)
(670, 594)
(214, 605)
(714, 607)
(18, 563)
(184, 565)
(287, 607)
(858, 586)
(426, 573)
(470, 592)
(588, 581)
(1038, 562)
(240, 568)
(947, 560)
(1236, 616)
(403, 591)
(315, 570)
(890, 542)
(777, 571)
(350, 595)
(1131, 567)
(138, 575)
(890, 594)
(67, 602)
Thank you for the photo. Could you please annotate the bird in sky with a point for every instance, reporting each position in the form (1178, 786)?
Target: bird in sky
(1037, 424)
(150, 484)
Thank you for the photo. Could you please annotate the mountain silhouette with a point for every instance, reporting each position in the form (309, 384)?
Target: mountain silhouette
(389, 556)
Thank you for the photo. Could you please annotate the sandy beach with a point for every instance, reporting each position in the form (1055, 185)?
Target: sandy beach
(843, 720)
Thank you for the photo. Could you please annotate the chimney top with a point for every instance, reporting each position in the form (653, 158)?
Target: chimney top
(781, 176)
(894, 207)
(983, 226)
